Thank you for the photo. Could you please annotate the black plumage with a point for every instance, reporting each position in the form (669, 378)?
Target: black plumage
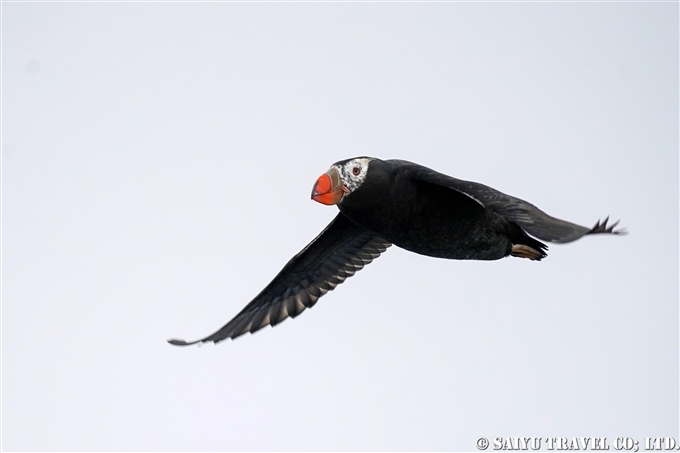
(338, 252)
(402, 203)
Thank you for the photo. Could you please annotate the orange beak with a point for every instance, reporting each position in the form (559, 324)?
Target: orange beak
(328, 188)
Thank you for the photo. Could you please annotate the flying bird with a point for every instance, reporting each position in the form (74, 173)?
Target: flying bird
(413, 207)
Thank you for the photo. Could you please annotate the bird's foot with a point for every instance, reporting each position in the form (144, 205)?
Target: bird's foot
(524, 251)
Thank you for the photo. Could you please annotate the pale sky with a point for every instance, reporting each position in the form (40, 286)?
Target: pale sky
(157, 164)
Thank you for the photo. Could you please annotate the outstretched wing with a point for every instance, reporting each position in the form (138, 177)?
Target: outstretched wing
(337, 253)
(526, 215)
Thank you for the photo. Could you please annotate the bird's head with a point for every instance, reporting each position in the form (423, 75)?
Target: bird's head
(341, 180)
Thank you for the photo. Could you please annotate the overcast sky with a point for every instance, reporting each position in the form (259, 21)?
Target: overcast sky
(157, 164)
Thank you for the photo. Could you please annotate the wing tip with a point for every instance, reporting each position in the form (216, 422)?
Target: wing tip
(176, 342)
(232, 337)
(603, 228)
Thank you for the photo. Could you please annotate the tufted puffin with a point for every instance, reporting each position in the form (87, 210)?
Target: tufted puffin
(413, 207)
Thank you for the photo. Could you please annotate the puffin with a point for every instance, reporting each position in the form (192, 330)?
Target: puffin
(386, 202)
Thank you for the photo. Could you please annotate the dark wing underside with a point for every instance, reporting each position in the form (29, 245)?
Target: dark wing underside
(337, 253)
(529, 217)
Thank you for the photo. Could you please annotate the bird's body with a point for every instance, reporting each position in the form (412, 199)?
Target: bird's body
(408, 205)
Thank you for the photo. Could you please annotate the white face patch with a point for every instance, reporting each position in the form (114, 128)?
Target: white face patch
(353, 173)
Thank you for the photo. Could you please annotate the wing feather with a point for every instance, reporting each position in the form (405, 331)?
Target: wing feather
(529, 217)
(341, 250)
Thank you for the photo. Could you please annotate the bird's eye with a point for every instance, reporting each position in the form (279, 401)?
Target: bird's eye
(356, 171)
